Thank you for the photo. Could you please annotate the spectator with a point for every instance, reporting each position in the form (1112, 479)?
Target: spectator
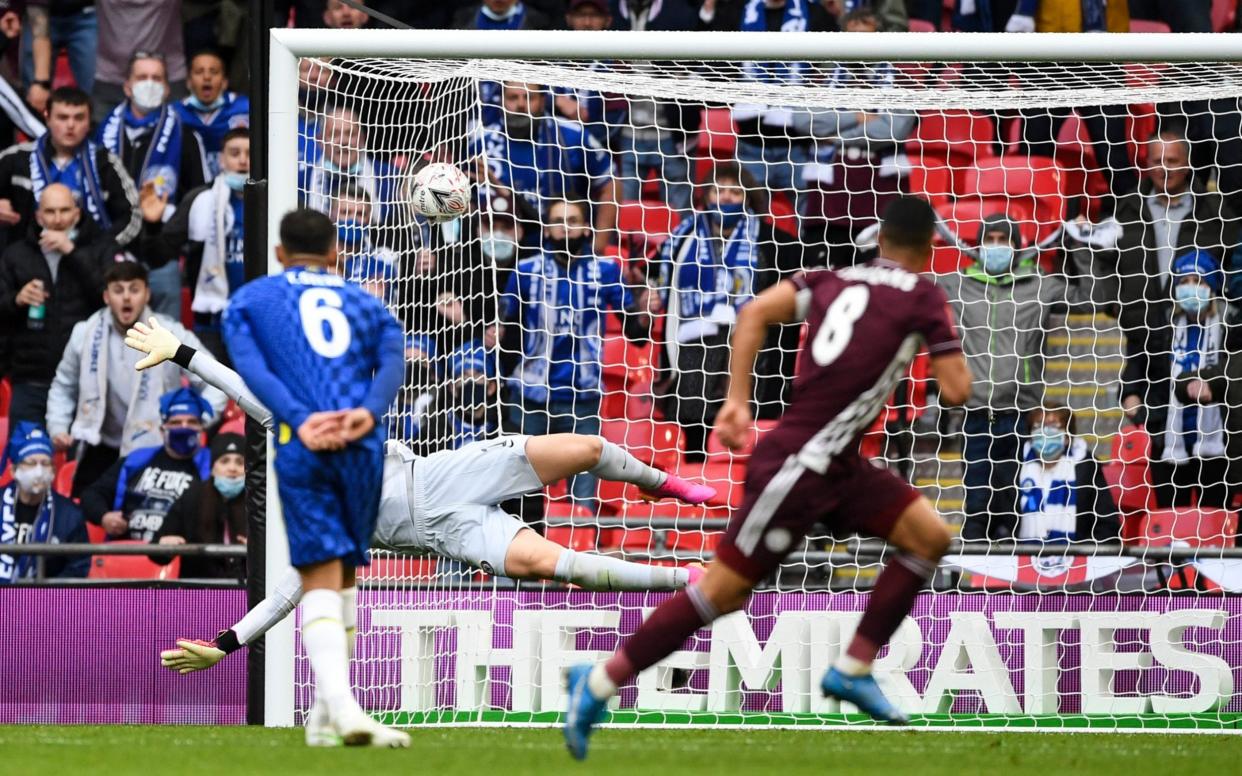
(541, 158)
(1219, 385)
(30, 512)
(125, 27)
(53, 27)
(338, 16)
(465, 409)
(97, 399)
(340, 158)
(66, 155)
(1193, 16)
(501, 15)
(1170, 215)
(558, 299)
(1070, 16)
(158, 151)
(890, 15)
(211, 110)
(223, 26)
(211, 511)
(134, 495)
(1062, 493)
(714, 262)
(49, 282)
(365, 262)
(314, 92)
(1188, 440)
(208, 227)
(855, 173)
(769, 151)
(1002, 305)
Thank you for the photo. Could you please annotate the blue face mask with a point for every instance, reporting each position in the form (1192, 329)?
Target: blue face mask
(199, 105)
(1048, 442)
(500, 247)
(351, 234)
(996, 259)
(332, 169)
(229, 487)
(236, 181)
(183, 441)
(1194, 298)
(728, 215)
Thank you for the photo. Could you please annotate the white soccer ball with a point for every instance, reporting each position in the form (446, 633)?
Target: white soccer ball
(441, 192)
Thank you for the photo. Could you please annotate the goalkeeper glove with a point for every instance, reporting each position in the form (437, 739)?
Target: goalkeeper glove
(158, 343)
(191, 655)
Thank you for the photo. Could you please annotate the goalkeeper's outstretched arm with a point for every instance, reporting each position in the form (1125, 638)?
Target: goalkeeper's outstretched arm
(162, 345)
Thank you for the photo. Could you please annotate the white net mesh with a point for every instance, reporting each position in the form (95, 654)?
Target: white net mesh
(1100, 286)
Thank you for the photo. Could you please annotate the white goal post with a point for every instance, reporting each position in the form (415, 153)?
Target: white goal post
(1042, 72)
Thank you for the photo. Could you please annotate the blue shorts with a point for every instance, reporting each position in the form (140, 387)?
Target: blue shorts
(330, 501)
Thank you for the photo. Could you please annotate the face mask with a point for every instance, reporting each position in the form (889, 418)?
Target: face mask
(564, 250)
(727, 215)
(236, 181)
(996, 259)
(1048, 442)
(1194, 298)
(332, 169)
(33, 479)
(518, 124)
(472, 393)
(183, 441)
(451, 231)
(351, 233)
(229, 487)
(199, 105)
(148, 95)
(500, 247)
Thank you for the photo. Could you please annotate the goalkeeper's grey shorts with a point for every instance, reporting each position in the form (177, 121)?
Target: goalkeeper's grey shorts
(451, 502)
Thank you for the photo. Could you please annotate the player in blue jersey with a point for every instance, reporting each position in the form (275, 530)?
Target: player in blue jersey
(328, 359)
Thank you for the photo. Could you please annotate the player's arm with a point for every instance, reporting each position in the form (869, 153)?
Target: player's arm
(253, 368)
(162, 345)
(390, 371)
(778, 304)
(953, 376)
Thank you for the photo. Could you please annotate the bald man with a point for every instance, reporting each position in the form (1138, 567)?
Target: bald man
(49, 280)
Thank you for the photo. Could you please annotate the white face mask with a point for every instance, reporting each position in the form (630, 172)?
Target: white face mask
(33, 479)
(148, 95)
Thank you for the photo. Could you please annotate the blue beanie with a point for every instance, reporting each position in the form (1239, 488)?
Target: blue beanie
(27, 438)
(469, 358)
(1199, 263)
(184, 401)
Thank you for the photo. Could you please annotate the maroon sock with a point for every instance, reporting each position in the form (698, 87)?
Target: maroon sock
(663, 633)
(891, 599)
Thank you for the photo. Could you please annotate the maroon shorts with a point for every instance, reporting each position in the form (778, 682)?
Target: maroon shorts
(783, 499)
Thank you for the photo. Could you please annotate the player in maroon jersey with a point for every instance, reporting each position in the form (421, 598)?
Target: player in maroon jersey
(866, 323)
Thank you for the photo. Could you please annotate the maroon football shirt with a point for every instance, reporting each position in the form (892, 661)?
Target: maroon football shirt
(865, 324)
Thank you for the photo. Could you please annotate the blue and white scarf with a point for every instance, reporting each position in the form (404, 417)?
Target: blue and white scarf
(1194, 430)
(231, 111)
(754, 19)
(711, 285)
(81, 175)
(15, 567)
(163, 161)
(513, 20)
(1048, 494)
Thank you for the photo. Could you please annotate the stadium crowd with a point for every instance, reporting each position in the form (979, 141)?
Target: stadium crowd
(593, 285)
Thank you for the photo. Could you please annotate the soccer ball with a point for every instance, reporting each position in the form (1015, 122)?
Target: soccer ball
(440, 192)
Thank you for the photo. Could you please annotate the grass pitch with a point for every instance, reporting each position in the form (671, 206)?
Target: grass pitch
(149, 750)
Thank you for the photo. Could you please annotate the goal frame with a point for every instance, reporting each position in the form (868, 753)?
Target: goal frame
(287, 45)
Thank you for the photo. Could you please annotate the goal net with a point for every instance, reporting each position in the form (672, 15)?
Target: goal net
(625, 207)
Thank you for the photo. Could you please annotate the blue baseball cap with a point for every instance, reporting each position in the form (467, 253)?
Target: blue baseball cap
(184, 401)
(27, 438)
(1199, 263)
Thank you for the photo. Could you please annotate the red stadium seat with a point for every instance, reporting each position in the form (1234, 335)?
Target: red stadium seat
(64, 478)
(1129, 476)
(6, 394)
(1037, 182)
(95, 534)
(718, 138)
(952, 133)
(1224, 15)
(1194, 527)
(645, 225)
(919, 25)
(579, 538)
(1149, 25)
(132, 566)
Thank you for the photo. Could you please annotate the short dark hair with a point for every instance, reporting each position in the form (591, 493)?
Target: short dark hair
(140, 54)
(234, 133)
(1055, 408)
(307, 231)
(125, 271)
(860, 14)
(908, 222)
(208, 51)
(69, 95)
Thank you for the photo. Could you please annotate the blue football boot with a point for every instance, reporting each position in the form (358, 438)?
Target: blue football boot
(863, 692)
(583, 713)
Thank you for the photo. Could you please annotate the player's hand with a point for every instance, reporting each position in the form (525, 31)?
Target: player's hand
(357, 423)
(114, 523)
(151, 338)
(191, 655)
(733, 424)
(321, 431)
